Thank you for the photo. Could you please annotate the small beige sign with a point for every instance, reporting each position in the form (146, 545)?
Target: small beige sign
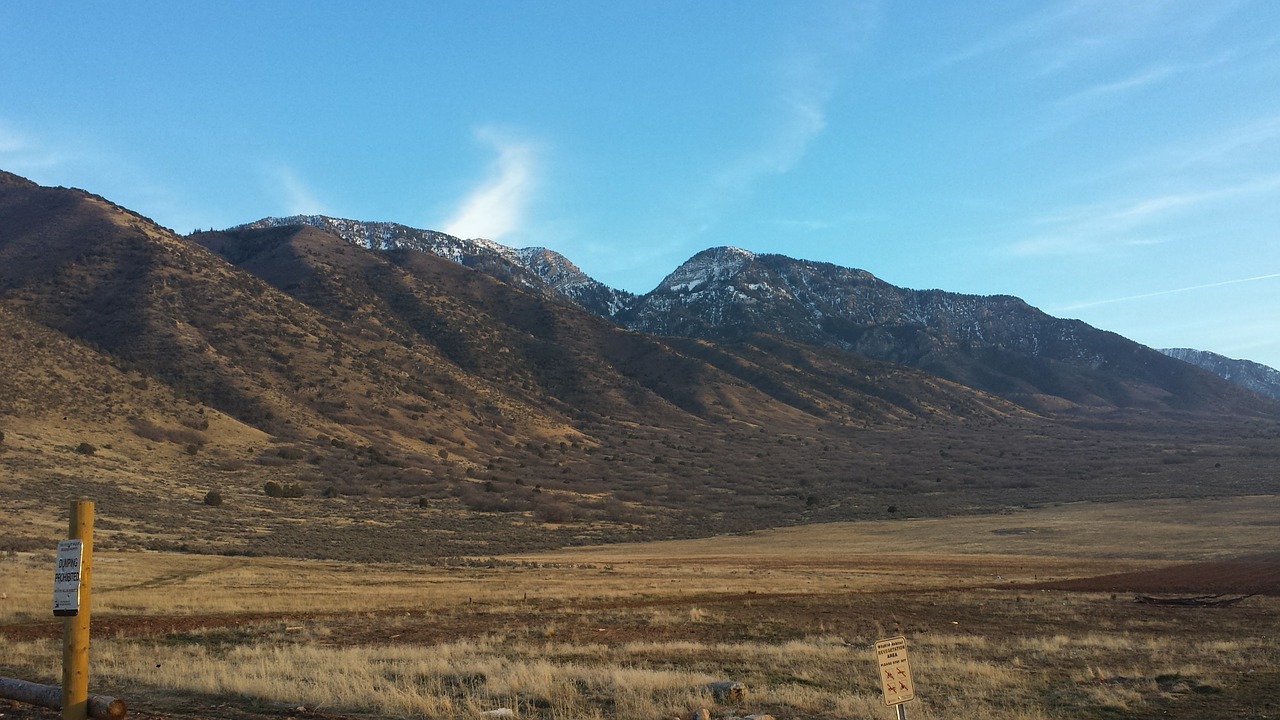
(895, 673)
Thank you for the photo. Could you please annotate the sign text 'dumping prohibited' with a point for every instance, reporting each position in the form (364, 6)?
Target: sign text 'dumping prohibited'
(895, 673)
(66, 578)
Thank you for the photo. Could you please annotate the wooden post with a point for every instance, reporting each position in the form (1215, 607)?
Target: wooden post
(75, 629)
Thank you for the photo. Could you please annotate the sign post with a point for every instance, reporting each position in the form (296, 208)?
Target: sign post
(895, 674)
(72, 585)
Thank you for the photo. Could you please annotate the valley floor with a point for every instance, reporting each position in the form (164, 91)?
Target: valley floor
(1021, 615)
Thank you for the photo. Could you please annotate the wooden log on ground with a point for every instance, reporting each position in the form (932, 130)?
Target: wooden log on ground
(101, 707)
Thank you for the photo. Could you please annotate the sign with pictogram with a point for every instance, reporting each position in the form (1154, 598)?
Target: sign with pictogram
(66, 578)
(895, 673)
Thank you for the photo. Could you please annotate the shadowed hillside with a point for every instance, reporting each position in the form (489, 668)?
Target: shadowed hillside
(344, 401)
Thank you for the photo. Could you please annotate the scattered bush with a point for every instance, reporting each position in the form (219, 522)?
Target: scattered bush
(554, 512)
(149, 430)
(85, 448)
(213, 498)
(276, 490)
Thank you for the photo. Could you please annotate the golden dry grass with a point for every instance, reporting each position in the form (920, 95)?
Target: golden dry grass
(637, 631)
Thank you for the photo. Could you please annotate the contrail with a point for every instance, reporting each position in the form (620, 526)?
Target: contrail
(1095, 303)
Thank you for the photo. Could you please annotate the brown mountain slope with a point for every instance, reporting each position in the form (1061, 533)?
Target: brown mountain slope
(421, 407)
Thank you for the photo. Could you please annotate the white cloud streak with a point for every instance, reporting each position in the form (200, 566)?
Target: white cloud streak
(803, 119)
(1066, 35)
(298, 197)
(807, 85)
(497, 207)
(22, 154)
(1093, 229)
(1174, 291)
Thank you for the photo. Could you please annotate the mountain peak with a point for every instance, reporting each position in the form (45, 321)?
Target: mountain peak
(713, 265)
(535, 269)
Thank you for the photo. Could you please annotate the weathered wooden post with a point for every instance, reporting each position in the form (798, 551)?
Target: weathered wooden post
(75, 623)
(72, 583)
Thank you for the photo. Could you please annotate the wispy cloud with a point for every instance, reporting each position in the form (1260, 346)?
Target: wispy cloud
(804, 223)
(497, 207)
(805, 80)
(23, 154)
(9, 141)
(1023, 31)
(1059, 37)
(1116, 88)
(1143, 221)
(1136, 81)
(801, 120)
(297, 196)
(1174, 291)
(1240, 142)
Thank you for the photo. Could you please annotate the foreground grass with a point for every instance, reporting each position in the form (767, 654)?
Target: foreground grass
(639, 631)
(1107, 673)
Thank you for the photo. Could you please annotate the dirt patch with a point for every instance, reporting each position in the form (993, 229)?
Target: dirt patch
(1251, 575)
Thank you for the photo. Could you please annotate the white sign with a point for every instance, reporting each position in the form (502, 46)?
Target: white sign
(66, 578)
(895, 673)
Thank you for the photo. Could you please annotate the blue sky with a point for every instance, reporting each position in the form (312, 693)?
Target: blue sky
(1113, 161)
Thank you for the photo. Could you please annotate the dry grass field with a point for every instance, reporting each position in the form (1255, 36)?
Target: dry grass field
(638, 631)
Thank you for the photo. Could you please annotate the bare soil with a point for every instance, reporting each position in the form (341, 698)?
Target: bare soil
(1252, 575)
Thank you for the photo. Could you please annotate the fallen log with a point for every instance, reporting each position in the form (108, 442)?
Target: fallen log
(101, 707)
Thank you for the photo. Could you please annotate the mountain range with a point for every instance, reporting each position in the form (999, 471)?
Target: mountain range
(1245, 373)
(998, 343)
(428, 394)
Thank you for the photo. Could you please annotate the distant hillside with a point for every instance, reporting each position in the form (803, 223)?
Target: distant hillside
(1245, 373)
(381, 402)
(536, 269)
(998, 344)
